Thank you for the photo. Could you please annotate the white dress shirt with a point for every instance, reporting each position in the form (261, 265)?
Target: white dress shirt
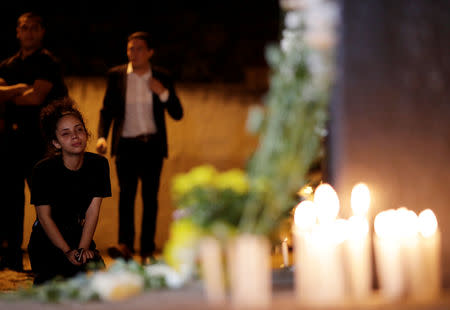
(139, 118)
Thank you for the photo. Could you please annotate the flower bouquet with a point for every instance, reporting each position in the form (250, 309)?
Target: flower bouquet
(211, 197)
(208, 202)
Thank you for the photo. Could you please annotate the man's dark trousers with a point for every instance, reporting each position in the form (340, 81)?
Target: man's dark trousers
(139, 158)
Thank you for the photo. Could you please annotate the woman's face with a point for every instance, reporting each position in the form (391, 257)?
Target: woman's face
(71, 136)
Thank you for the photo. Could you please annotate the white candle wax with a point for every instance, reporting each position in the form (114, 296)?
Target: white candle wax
(430, 247)
(358, 244)
(324, 246)
(359, 258)
(285, 253)
(212, 270)
(318, 249)
(252, 280)
(388, 256)
(407, 222)
(305, 220)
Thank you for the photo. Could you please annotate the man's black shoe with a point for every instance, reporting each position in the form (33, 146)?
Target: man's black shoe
(121, 251)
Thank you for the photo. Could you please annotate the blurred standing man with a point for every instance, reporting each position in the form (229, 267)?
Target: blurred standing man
(137, 94)
(29, 80)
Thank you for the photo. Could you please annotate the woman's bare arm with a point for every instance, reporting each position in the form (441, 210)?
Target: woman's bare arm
(90, 225)
(45, 218)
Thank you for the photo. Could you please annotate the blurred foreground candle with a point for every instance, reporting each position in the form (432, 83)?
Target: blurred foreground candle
(212, 270)
(358, 244)
(408, 254)
(285, 253)
(430, 244)
(250, 271)
(407, 225)
(359, 258)
(325, 251)
(318, 253)
(327, 203)
(388, 255)
(304, 222)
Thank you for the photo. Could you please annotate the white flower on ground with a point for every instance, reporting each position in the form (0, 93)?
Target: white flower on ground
(173, 278)
(117, 285)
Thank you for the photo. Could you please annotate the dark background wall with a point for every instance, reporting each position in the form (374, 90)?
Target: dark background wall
(199, 41)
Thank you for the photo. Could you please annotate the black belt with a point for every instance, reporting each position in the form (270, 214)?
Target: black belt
(142, 138)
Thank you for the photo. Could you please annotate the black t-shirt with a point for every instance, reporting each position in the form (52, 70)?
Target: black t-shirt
(41, 65)
(69, 193)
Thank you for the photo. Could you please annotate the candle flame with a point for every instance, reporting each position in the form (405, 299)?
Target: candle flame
(407, 222)
(399, 223)
(327, 203)
(360, 199)
(305, 215)
(305, 191)
(427, 223)
(385, 224)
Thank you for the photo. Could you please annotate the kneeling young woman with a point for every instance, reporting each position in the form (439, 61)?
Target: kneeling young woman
(67, 189)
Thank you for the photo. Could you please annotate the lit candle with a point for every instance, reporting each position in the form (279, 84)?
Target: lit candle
(360, 199)
(318, 257)
(430, 243)
(304, 221)
(325, 256)
(327, 203)
(285, 252)
(358, 244)
(358, 258)
(411, 256)
(250, 277)
(388, 255)
(212, 270)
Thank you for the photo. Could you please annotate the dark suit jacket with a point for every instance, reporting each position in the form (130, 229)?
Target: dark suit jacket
(113, 109)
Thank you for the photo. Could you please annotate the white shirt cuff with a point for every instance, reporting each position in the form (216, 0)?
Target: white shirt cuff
(164, 96)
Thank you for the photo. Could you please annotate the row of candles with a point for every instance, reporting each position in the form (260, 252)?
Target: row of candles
(334, 258)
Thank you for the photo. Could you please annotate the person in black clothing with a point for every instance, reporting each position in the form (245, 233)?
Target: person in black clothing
(67, 191)
(137, 96)
(29, 80)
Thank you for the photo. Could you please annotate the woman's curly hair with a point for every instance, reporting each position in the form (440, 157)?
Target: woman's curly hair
(51, 114)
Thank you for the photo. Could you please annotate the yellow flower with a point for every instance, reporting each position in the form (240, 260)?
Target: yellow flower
(181, 247)
(202, 175)
(183, 183)
(184, 231)
(234, 179)
(180, 185)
